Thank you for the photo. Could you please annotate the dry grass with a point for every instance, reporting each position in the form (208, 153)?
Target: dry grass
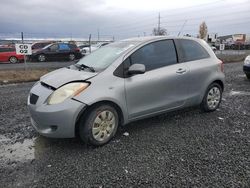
(232, 58)
(15, 76)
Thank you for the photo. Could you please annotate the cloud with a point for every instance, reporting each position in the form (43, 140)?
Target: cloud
(79, 18)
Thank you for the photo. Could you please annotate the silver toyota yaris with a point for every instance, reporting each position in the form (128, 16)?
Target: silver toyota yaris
(123, 82)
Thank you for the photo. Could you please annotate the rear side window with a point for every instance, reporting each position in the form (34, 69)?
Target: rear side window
(7, 49)
(63, 47)
(72, 46)
(54, 47)
(155, 55)
(190, 50)
(39, 45)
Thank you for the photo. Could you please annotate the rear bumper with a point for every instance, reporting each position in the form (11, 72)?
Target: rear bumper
(78, 55)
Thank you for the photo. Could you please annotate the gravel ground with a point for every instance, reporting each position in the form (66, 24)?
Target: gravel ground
(180, 149)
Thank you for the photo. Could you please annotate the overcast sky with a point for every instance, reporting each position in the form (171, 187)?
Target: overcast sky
(120, 18)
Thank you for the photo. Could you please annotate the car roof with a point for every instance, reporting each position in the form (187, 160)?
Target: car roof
(152, 38)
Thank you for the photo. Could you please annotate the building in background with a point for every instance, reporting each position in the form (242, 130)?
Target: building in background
(211, 37)
(234, 41)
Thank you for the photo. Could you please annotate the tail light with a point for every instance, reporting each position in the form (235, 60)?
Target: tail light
(78, 49)
(221, 66)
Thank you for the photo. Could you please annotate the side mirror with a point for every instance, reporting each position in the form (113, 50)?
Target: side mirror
(136, 69)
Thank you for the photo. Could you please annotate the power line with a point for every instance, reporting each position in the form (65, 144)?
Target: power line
(184, 8)
(166, 16)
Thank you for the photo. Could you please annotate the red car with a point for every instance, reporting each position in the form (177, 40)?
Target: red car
(8, 54)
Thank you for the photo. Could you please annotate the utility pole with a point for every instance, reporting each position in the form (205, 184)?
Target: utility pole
(25, 63)
(182, 27)
(89, 43)
(159, 23)
(98, 35)
(22, 36)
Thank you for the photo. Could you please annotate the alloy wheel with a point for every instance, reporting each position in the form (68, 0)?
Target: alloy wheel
(103, 126)
(213, 98)
(71, 57)
(41, 58)
(13, 60)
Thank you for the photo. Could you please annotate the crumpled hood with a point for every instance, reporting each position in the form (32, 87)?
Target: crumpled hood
(62, 76)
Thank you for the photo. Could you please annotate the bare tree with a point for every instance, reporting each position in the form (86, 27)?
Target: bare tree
(203, 30)
(159, 31)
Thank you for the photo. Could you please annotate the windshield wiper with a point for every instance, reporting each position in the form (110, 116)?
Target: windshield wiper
(82, 67)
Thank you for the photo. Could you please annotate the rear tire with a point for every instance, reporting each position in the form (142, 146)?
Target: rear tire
(99, 125)
(13, 59)
(41, 58)
(212, 99)
(248, 76)
(72, 57)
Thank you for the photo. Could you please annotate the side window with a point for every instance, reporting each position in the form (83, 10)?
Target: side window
(63, 47)
(7, 49)
(72, 46)
(191, 50)
(155, 55)
(54, 47)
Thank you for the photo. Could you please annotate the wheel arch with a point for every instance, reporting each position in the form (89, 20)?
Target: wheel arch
(86, 110)
(14, 57)
(219, 82)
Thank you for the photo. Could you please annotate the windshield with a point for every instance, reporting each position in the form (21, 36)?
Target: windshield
(96, 45)
(105, 56)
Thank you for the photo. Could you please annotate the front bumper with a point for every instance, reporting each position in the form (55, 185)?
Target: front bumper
(57, 121)
(246, 69)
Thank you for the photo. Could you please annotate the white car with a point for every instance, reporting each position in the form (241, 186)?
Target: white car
(214, 48)
(88, 50)
(246, 66)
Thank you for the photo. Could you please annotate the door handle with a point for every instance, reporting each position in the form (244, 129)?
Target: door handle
(181, 71)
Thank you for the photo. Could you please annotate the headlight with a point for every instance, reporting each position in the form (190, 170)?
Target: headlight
(247, 60)
(66, 91)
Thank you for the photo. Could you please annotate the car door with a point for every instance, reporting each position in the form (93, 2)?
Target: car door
(64, 51)
(52, 52)
(6, 53)
(162, 86)
(2, 55)
(199, 63)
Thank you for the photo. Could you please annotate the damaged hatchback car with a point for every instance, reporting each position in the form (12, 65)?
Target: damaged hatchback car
(123, 82)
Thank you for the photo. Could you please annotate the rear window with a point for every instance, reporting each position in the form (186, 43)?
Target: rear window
(72, 46)
(190, 50)
(63, 47)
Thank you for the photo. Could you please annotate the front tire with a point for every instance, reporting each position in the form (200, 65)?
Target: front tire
(248, 76)
(99, 125)
(13, 59)
(212, 98)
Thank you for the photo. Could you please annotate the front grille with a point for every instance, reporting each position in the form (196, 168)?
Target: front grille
(33, 98)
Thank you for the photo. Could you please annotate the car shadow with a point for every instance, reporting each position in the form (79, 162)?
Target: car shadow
(135, 128)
